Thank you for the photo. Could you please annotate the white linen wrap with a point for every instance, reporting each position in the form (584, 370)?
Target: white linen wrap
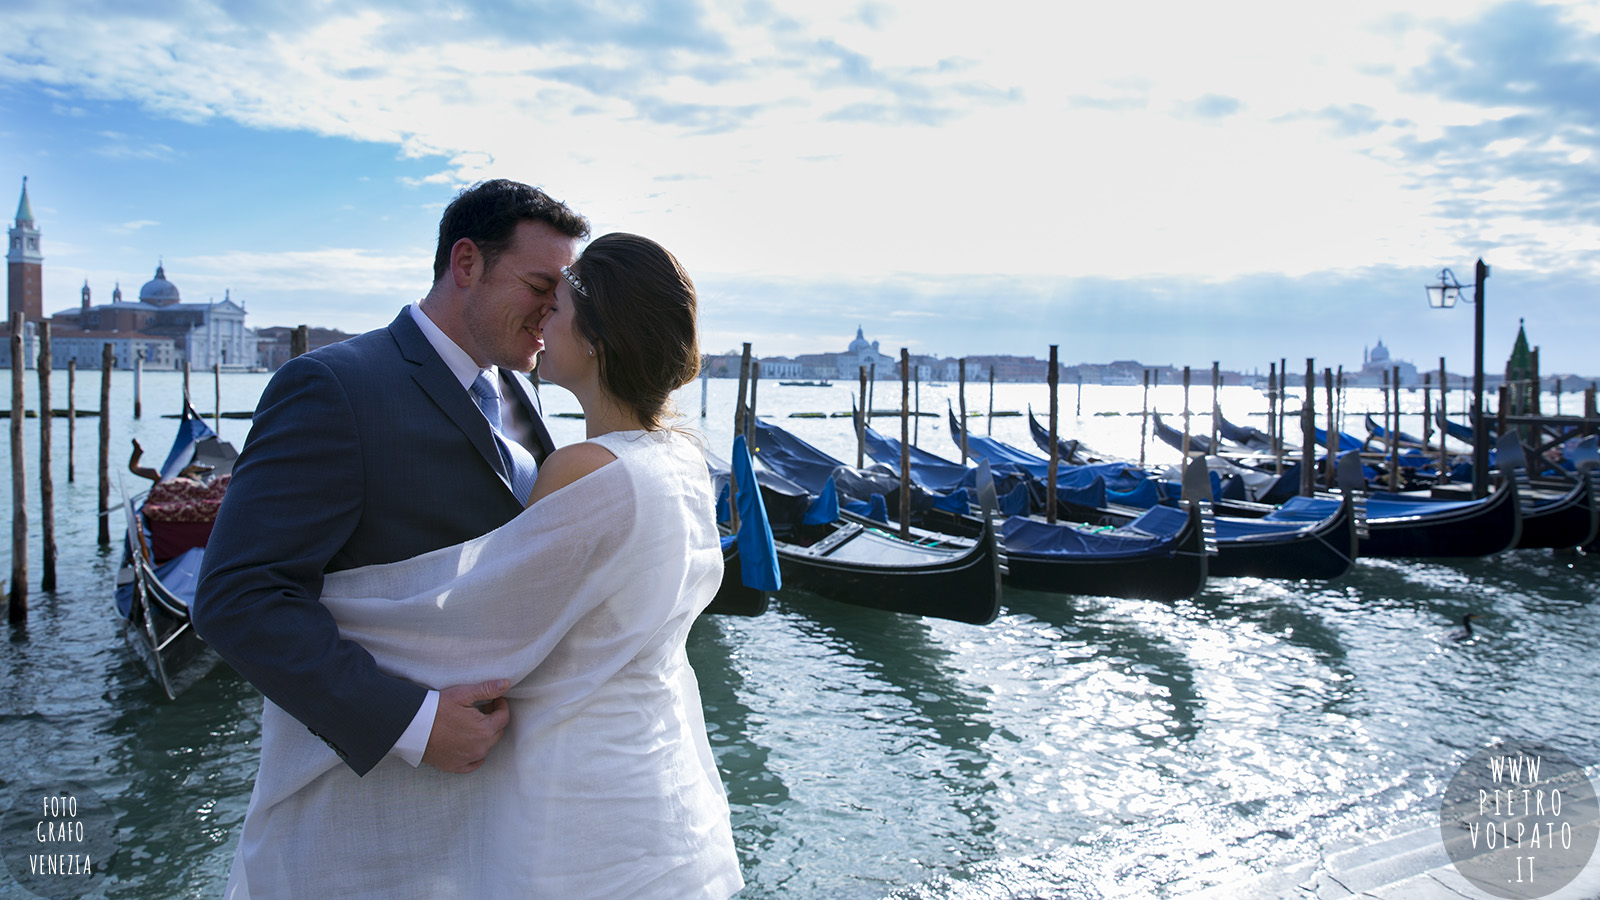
(604, 785)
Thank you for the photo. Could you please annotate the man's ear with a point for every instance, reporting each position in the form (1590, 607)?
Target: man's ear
(466, 262)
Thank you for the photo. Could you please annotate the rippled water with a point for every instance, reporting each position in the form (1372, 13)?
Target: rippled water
(1077, 747)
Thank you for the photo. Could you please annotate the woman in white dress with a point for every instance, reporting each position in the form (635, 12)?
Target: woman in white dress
(604, 785)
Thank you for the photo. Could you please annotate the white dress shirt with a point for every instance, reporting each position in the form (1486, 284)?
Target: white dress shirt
(413, 741)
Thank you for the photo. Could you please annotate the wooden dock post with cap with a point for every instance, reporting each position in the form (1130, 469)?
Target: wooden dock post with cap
(19, 481)
(47, 488)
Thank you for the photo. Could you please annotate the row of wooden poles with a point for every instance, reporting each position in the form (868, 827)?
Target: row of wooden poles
(1277, 415)
(17, 597)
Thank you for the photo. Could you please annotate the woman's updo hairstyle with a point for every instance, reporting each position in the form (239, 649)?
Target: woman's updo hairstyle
(638, 309)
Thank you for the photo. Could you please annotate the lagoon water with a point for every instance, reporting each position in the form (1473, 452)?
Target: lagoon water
(1078, 747)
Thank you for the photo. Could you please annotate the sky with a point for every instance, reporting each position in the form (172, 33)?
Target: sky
(1176, 183)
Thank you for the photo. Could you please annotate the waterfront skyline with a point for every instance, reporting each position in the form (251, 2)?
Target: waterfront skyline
(1170, 184)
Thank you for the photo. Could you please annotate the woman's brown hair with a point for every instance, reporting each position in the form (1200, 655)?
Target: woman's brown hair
(638, 308)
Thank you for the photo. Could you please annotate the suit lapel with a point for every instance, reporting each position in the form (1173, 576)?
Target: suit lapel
(440, 384)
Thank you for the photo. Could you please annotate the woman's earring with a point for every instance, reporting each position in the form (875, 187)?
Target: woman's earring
(591, 351)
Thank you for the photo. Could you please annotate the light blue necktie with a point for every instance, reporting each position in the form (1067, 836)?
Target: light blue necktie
(516, 458)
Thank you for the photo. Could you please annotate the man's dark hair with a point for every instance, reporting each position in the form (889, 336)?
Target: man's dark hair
(488, 212)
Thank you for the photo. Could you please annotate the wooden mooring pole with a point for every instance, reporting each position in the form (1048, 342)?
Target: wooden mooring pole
(1308, 433)
(741, 417)
(1186, 431)
(989, 430)
(1055, 454)
(299, 341)
(905, 443)
(216, 381)
(1216, 401)
(961, 397)
(138, 384)
(1144, 419)
(750, 412)
(1394, 434)
(47, 487)
(107, 360)
(861, 420)
(72, 420)
(1273, 433)
(19, 481)
(1331, 478)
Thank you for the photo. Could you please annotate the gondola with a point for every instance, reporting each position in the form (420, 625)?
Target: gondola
(1379, 433)
(851, 559)
(1277, 544)
(1198, 443)
(1159, 555)
(1247, 436)
(161, 567)
(1420, 525)
(1558, 515)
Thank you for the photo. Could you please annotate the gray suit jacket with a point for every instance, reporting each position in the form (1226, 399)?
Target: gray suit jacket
(362, 452)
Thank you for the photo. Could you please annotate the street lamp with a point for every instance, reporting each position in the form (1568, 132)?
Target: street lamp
(1444, 296)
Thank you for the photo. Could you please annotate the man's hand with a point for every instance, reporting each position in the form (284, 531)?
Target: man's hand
(470, 720)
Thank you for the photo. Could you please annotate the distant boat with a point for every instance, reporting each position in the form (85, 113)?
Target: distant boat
(806, 383)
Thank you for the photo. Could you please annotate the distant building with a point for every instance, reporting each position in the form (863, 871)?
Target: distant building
(24, 264)
(1378, 369)
(203, 334)
(276, 343)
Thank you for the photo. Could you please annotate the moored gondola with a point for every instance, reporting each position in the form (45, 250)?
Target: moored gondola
(1160, 555)
(165, 541)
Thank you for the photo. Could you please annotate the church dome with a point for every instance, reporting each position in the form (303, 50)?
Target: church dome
(860, 345)
(158, 291)
(1380, 353)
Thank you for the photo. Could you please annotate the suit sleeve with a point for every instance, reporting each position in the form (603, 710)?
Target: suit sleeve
(296, 496)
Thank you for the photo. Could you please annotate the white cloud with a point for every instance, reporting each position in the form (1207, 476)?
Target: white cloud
(843, 140)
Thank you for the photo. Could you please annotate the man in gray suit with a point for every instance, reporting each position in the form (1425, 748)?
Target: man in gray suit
(382, 448)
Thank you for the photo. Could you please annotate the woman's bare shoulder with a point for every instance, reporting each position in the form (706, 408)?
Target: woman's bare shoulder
(568, 464)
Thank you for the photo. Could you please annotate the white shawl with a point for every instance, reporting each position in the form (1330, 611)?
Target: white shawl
(604, 785)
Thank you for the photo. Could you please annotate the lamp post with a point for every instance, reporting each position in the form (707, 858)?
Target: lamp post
(1444, 296)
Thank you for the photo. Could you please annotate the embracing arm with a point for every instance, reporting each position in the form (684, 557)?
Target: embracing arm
(295, 498)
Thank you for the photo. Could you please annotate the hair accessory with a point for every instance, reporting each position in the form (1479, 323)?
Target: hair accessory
(577, 285)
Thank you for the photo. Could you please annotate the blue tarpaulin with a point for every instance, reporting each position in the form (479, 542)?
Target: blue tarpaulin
(758, 555)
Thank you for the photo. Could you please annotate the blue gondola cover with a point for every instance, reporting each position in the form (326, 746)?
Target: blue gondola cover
(758, 555)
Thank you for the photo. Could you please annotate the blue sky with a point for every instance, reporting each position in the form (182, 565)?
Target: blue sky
(1172, 182)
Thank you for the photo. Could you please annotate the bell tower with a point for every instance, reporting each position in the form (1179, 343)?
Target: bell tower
(25, 264)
